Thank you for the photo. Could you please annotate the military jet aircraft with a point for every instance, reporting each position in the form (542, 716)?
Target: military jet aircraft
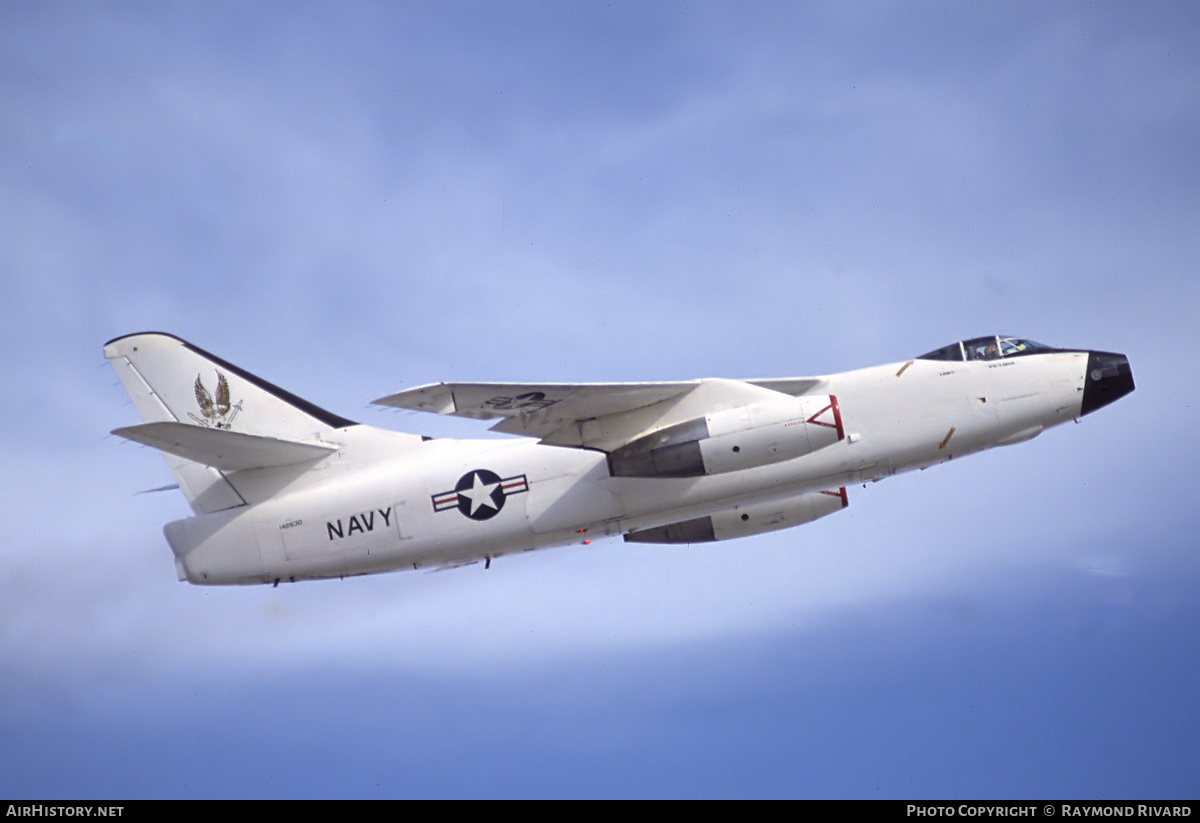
(283, 490)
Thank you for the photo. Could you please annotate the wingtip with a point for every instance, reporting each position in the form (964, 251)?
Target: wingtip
(434, 397)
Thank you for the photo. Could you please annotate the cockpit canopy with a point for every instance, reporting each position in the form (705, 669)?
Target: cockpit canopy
(988, 348)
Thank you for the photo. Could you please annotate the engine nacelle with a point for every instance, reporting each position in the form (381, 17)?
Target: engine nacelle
(743, 437)
(746, 520)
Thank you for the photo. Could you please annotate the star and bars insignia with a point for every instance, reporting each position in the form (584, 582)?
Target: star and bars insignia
(480, 494)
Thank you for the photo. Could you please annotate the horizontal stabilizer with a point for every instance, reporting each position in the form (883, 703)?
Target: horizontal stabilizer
(222, 449)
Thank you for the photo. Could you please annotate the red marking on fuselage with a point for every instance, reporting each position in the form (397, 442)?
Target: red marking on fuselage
(837, 417)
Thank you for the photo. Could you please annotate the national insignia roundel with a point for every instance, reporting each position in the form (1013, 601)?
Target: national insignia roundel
(480, 494)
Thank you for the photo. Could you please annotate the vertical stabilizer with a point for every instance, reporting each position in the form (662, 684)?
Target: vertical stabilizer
(171, 380)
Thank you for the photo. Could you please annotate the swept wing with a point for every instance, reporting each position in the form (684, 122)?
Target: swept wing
(592, 415)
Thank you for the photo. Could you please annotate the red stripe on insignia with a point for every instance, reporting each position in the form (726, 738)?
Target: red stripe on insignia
(514, 485)
(444, 501)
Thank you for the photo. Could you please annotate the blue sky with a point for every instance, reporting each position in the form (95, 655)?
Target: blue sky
(354, 198)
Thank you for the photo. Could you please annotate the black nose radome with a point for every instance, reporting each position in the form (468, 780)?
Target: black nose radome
(1108, 378)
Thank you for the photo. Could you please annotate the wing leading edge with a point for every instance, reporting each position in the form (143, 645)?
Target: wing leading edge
(591, 415)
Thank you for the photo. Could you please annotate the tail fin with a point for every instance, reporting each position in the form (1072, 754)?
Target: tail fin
(172, 381)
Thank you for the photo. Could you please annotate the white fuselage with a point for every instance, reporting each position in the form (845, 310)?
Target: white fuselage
(388, 501)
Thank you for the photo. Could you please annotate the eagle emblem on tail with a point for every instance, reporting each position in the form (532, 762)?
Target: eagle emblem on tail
(218, 412)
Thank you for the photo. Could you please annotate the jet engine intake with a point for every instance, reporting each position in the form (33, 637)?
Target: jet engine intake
(746, 520)
(743, 437)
